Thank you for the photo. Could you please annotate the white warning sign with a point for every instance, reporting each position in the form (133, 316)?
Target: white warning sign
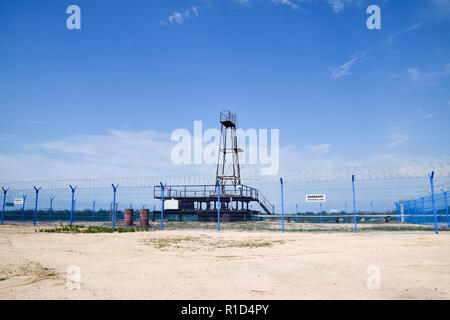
(315, 198)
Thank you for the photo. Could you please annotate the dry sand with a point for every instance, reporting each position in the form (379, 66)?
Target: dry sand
(205, 264)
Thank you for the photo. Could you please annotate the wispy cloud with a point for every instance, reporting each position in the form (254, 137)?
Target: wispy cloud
(416, 76)
(392, 38)
(286, 3)
(123, 153)
(339, 5)
(180, 17)
(322, 148)
(344, 70)
(424, 115)
(441, 8)
(397, 139)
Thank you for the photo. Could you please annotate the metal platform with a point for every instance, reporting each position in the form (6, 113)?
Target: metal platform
(202, 199)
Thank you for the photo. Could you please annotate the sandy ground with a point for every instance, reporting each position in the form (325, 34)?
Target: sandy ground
(205, 264)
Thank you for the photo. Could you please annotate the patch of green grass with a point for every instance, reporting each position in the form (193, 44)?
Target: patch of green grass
(183, 243)
(90, 229)
(161, 243)
(255, 244)
(3, 279)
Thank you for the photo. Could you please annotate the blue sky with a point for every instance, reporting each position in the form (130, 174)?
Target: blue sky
(102, 101)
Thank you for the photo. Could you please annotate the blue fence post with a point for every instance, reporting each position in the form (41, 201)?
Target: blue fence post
(50, 211)
(406, 210)
(36, 203)
(415, 212)
(282, 206)
(163, 186)
(433, 201)
(72, 204)
(296, 212)
(4, 201)
(218, 205)
(410, 212)
(93, 210)
(114, 205)
(24, 197)
(346, 214)
(399, 212)
(396, 210)
(446, 207)
(423, 211)
(354, 203)
(371, 208)
(320, 212)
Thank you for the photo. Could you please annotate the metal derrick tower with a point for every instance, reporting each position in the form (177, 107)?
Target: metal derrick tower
(228, 168)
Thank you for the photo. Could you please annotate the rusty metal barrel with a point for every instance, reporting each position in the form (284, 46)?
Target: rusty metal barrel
(128, 217)
(143, 218)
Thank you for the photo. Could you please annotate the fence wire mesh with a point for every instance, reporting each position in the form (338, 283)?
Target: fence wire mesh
(375, 209)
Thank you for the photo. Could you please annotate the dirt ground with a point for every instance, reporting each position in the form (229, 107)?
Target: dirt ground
(205, 264)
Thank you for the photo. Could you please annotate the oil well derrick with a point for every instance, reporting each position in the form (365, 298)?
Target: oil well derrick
(201, 200)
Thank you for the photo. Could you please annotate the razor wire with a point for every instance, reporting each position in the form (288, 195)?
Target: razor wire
(405, 171)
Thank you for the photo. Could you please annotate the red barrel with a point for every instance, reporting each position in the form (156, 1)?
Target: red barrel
(143, 218)
(128, 217)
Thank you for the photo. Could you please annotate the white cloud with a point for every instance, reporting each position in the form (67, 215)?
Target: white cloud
(397, 139)
(344, 70)
(441, 8)
(115, 153)
(417, 77)
(176, 17)
(287, 3)
(337, 5)
(179, 18)
(120, 153)
(391, 39)
(322, 148)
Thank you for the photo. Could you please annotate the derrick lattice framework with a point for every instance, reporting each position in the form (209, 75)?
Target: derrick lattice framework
(228, 168)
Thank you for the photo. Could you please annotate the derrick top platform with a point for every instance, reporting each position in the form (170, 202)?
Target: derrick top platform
(228, 119)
